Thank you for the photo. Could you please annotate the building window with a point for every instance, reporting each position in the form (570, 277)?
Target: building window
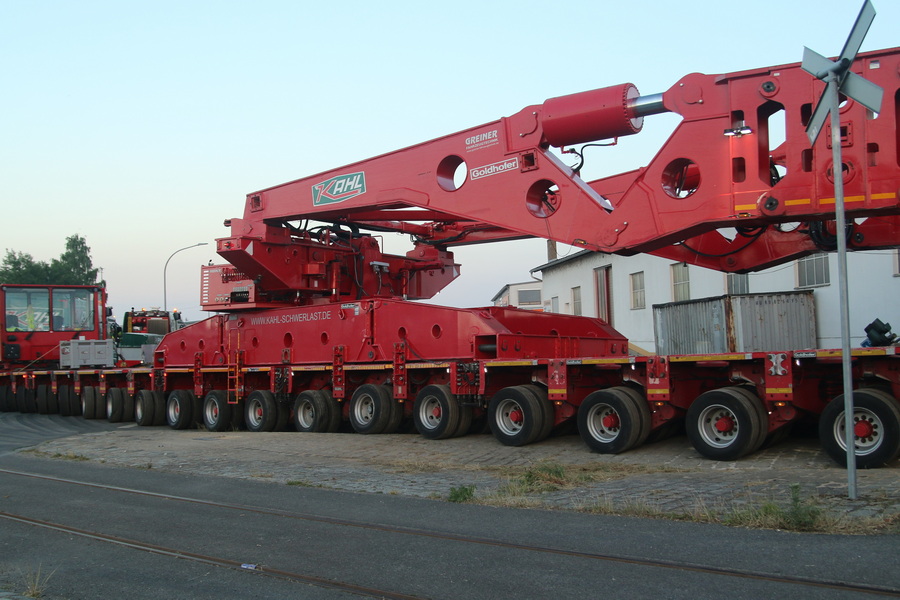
(576, 300)
(813, 271)
(554, 304)
(603, 292)
(737, 283)
(638, 300)
(529, 297)
(681, 284)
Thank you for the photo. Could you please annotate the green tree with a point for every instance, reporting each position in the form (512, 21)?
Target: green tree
(73, 267)
(20, 267)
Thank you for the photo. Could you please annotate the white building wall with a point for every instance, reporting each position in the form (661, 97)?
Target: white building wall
(874, 289)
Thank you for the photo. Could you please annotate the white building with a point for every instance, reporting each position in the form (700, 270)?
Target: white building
(623, 290)
(526, 295)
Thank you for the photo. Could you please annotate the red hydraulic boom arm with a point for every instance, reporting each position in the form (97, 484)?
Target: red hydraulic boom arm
(736, 188)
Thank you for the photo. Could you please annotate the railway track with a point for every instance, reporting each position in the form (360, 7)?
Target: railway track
(797, 583)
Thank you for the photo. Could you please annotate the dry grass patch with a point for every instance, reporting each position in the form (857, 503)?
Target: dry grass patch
(56, 455)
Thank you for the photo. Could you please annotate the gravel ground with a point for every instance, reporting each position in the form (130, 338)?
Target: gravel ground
(667, 477)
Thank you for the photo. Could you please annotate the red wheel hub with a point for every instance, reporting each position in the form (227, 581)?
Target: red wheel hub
(516, 416)
(863, 429)
(725, 424)
(436, 413)
(611, 421)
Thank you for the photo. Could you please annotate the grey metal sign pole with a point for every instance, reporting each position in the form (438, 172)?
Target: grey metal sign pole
(840, 80)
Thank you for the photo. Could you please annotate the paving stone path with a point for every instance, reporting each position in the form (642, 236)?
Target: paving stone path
(668, 476)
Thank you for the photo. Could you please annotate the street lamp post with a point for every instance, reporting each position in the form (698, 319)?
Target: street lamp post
(165, 304)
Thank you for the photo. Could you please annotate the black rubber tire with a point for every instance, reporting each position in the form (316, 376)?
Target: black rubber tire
(4, 394)
(144, 408)
(516, 416)
(436, 412)
(217, 411)
(465, 421)
(549, 414)
(371, 409)
(74, 403)
(40, 399)
(159, 405)
(115, 405)
(127, 407)
(41, 394)
(718, 439)
(99, 405)
(52, 402)
(64, 396)
(397, 410)
(314, 412)
(773, 438)
(261, 411)
(89, 402)
(879, 412)
(763, 417)
(180, 409)
(309, 416)
(609, 421)
(643, 408)
(664, 431)
(25, 400)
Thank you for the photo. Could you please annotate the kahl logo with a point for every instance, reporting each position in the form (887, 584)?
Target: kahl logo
(338, 189)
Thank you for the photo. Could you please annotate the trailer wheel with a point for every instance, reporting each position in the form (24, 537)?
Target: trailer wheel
(876, 428)
(261, 411)
(180, 409)
(436, 412)
(466, 416)
(144, 408)
(610, 421)
(664, 431)
(757, 404)
(548, 414)
(217, 411)
(114, 405)
(74, 403)
(52, 402)
(372, 409)
(516, 416)
(65, 400)
(4, 398)
(315, 412)
(725, 424)
(89, 402)
(336, 411)
(40, 395)
(127, 407)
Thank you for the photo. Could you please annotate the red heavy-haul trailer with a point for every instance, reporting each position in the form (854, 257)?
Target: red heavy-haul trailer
(317, 326)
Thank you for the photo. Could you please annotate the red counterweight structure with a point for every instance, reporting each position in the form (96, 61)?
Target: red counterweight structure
(317, 326)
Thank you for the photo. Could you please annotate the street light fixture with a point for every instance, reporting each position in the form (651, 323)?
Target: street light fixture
(165, 304)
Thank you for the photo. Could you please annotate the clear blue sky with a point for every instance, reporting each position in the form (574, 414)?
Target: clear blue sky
(141, 126)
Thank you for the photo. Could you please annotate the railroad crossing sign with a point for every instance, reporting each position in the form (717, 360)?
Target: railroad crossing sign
(841, 80)
(838, 74)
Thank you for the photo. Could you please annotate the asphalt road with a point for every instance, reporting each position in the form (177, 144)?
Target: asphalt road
(143, 533)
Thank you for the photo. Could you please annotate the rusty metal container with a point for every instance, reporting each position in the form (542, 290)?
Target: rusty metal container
(740, 323)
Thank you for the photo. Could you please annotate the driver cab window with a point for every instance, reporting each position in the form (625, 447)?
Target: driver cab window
(73, 310)
(28, 309)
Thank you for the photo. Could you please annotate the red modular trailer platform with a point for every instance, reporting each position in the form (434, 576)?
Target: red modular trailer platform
(316, 326)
